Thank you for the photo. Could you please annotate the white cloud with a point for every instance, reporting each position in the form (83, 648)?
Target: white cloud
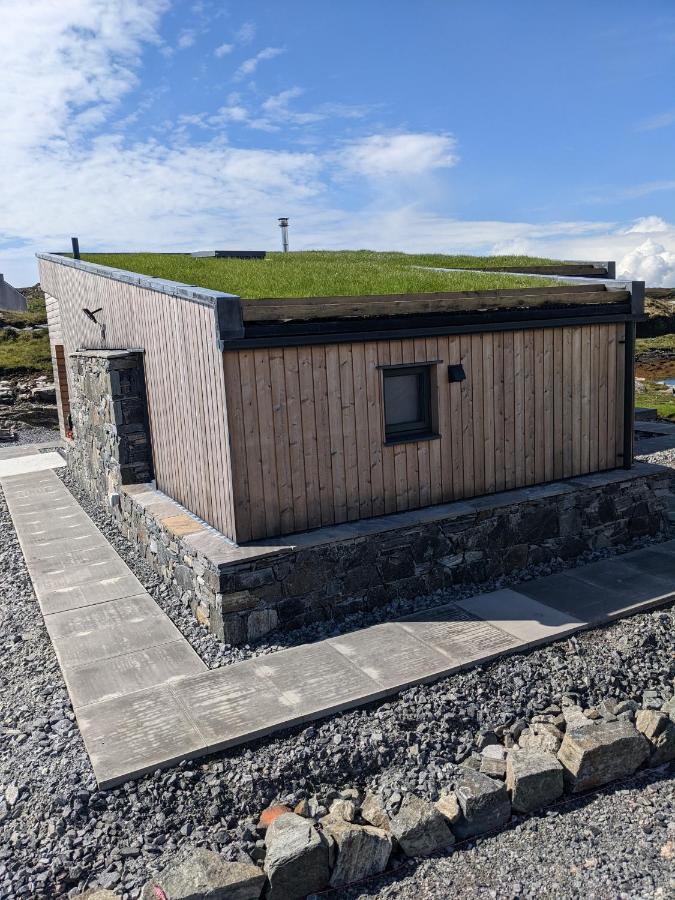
(223, 50)
(249, 66)
(649, 262)
(382, 156)
(245, 33)
(662, 120)
(186, 39)
(647, 225)
(62, 59)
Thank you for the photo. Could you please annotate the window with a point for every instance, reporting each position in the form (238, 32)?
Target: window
(407, 403)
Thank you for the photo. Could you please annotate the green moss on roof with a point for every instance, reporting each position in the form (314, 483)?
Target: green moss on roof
(320, 273)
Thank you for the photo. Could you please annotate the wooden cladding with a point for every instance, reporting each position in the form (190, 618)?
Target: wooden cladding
(307, 431)
(183, 374)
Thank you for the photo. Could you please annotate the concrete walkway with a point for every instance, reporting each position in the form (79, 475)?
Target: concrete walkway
(143, 699)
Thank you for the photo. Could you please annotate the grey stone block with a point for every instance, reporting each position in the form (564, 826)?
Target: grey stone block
(484, 803)
(604, 752)
(296, 862)
(534, 779)
(362, 851)
(200, 874)
(419, 827)
(659, 729)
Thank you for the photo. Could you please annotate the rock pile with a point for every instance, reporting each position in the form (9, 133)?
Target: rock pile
(347, 836)
(35, 390)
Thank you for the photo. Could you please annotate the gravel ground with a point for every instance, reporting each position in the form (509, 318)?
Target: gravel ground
(32, 435)
(62, 833)
(616, 844)
(215, 654)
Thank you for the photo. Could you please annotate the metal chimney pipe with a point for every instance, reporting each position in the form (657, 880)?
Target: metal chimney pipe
(76, 247)
(283, 224)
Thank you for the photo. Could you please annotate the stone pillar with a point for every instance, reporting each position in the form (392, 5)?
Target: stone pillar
(111, 437)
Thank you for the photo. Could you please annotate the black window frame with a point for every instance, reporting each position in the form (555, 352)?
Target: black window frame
(419, 429)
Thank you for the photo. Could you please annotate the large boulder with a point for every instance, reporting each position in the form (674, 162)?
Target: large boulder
(362, 851)
(534, 779)
(596, 755)
(296, 862)
(419, 827)
(484, 803)
(541, 736)
(659, 729)
(201, 874)
(44, 393)
(373, 811)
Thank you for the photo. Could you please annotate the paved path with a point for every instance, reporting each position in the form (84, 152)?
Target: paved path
(143, 699)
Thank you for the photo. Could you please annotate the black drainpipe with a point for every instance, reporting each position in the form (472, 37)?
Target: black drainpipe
(628, 395)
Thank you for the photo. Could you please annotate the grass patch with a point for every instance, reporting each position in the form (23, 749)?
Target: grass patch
(658, 397)
(24, 352)
(661, 342)
(319, 273)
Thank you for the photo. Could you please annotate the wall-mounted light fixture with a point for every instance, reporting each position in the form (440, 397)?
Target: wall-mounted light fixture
(91, 314)
(456, 373)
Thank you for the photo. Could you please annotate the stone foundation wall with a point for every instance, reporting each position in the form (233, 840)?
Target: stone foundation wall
(111, 444)
(241, 593)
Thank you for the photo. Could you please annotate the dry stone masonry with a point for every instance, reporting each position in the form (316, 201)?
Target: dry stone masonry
(111, 445)
(331, 843)
(243, 593)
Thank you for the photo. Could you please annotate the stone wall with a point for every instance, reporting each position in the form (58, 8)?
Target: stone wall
(243, 592)
(111, 444)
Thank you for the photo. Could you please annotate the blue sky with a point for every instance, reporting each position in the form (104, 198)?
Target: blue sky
(435, 125)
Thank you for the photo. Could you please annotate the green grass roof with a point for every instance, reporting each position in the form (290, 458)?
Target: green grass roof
(320, 273)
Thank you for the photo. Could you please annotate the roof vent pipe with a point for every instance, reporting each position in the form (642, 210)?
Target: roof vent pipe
(283, 224)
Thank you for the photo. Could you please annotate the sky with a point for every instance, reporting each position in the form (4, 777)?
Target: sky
(436, 125)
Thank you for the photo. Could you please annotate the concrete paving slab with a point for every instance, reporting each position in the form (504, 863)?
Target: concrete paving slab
(132, 735)
(26, 499)
(391, 656)
(652, 562)
(13, 450)
(88, 619)
(33, 535)
(617, 587)
(61, 546)
(596, 600)
(53, 574)
(75, 561)
(460, 636)
(92, 593)
(527, 620)
(34, 463)
(129, 673)
(80, 649)
(229, 704)
(313, 677)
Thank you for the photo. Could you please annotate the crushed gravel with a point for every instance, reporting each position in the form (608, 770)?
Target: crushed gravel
(32, 435)
(59, 834)
(62, 833)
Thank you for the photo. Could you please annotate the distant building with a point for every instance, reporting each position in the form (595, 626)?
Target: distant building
(10, 298)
